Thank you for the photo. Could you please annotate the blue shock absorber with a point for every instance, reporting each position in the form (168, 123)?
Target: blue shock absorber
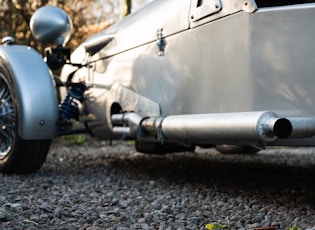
(69, 107)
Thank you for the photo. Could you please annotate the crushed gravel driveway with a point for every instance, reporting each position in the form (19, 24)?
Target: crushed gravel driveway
(98, 186)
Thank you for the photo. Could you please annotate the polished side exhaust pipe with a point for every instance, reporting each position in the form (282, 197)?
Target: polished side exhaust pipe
(220, 127)
(126, 124)
(249, 126)
(302, 127)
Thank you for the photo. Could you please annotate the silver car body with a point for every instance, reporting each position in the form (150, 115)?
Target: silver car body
(219, 57)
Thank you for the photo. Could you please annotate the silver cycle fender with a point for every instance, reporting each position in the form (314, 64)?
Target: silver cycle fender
(36, 95)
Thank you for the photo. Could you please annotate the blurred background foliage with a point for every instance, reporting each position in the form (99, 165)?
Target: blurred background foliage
(88, 16)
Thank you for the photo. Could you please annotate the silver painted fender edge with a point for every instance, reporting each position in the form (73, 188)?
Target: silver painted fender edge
(38, 106)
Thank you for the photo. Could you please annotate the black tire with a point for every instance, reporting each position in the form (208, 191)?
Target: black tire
(236, 149)
(16, 155)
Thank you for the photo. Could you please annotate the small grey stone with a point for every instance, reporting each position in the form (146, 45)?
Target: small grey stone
(15, 207)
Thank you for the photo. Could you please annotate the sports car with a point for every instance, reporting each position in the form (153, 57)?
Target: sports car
(237, 75)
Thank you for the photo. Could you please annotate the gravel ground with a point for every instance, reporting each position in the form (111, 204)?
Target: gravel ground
(97, 186)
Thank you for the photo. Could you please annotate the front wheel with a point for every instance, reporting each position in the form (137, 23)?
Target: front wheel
(16, 155)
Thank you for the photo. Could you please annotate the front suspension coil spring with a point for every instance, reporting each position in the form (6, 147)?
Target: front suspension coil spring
(69, 107)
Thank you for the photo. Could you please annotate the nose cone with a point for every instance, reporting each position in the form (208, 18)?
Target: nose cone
(51, 26)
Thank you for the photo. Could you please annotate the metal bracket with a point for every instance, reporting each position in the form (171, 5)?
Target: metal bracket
(203, 10)
(249, 6)
(161, 43)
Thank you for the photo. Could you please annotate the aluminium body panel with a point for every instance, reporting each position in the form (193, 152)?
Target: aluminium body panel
(167, 18)
(243, 62)
(283, 60)
(141, 27)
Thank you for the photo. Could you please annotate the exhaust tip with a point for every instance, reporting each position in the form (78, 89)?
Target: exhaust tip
(283, 128)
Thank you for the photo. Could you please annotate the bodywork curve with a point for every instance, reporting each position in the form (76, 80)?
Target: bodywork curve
(38, 107)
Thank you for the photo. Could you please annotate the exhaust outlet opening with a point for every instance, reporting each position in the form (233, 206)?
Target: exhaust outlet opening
(282, 128)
